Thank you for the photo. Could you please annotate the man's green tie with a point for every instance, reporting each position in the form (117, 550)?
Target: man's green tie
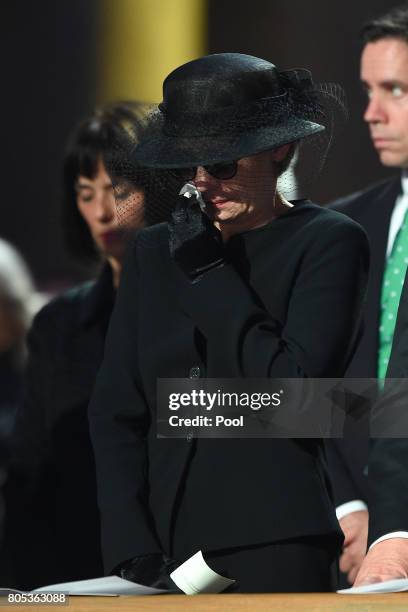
(393, 279)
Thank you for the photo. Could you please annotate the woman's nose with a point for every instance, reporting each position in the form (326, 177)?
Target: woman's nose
(105, 210)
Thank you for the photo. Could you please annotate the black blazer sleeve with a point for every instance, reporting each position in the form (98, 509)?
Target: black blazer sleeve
(119, 420)
(388, 487)
(388, 461)
(244, 340)
(347, 469)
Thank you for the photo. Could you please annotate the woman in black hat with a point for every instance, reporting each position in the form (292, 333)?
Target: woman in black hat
(242, 283)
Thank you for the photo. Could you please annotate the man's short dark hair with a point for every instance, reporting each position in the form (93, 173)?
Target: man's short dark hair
(393, 24)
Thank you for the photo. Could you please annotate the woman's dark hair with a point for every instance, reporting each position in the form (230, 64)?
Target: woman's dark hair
(103, 136)
(393, 24)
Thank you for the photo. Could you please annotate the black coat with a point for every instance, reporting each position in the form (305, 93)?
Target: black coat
(11, 385)
(372, 209)
(53, 530)
(287, 304)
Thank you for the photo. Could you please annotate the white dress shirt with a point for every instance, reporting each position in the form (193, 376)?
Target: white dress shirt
(398, 214)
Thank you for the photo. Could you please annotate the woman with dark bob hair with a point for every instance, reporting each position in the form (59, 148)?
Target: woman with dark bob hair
(109, 135)
(53, 523)
(242, 284)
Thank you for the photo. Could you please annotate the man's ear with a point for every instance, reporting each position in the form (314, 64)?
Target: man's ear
(280, 154)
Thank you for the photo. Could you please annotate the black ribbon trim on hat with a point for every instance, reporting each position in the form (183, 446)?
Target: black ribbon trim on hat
(298, 101)
(306, 96)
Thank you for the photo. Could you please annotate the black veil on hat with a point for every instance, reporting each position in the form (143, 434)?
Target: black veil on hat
(129, 178)
(223, 107)
(227, 106)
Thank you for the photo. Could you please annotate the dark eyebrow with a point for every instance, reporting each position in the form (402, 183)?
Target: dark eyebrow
(393, 82)
(81, 185)
(388, 84)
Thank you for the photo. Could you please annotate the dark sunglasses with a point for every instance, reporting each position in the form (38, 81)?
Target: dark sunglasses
(222, 171)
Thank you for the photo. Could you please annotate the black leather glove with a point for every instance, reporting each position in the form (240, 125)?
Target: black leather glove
(195, 244)
(150, 570)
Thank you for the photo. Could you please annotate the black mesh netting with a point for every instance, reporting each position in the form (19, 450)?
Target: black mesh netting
(303, 114)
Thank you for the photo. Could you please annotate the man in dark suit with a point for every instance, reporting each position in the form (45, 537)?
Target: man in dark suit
(388, 467)
(381, 210)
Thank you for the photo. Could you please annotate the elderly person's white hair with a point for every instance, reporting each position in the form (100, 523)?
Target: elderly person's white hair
(16, 284)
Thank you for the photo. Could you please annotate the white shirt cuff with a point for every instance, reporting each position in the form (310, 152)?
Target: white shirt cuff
(352, 506)
(389, 536)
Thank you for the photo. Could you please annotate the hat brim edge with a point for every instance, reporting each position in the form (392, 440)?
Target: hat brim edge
(167, 152)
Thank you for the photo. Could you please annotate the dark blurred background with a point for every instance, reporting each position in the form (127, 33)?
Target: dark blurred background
(62, 57)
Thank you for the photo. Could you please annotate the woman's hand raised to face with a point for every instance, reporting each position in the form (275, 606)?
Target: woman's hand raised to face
(195, 243)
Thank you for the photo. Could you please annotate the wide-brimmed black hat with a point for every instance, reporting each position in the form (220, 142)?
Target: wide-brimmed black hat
(228, 105)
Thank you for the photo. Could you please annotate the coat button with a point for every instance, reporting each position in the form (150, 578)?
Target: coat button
(194, 372)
